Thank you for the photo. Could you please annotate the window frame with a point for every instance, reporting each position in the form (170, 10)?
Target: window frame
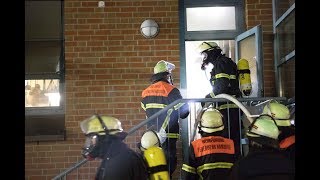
(56, 113)
(203, 35)
(279, 62)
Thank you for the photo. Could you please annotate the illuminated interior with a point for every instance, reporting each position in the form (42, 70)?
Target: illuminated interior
(42, 93)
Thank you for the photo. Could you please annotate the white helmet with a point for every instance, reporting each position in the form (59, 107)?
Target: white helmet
(264, 125)
(163, 66)
(279, 112)
(264, 130)
(207, 46)
(149, 139)
(211, 121)
(100, 125)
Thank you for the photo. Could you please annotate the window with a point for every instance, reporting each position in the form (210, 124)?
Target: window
(221, 18)
(215, 19)
(287, 75)
(284, 46)
(44, 70)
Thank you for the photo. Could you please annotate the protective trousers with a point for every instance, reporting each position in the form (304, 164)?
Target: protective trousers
(170, 149)
(232, 124)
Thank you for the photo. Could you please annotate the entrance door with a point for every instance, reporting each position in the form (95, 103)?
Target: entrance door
(248, 45)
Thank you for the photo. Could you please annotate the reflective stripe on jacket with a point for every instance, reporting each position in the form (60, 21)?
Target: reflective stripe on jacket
(224, 77)
(287, 142)
(210, 158)
(156, 97)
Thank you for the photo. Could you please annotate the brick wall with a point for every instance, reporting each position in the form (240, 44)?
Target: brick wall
(109, 63)
(260, 12)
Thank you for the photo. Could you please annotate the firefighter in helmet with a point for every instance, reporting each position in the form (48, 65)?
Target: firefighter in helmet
(157, 96)
(154, 156)
(224, 79)
(264, 159)
(104, 140)
(281, 115)
(224, 74)
(211, 156)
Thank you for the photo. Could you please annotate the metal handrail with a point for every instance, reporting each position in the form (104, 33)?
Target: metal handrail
(154, 116)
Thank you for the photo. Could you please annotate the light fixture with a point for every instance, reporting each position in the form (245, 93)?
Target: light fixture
(149, 28)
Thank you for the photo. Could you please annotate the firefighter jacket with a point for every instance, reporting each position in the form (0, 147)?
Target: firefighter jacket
(156, 97)
(232, 122)
(210, 158)
(287, 145)
(225, 80)
(121, 162)
(224, 77)
(263, 164)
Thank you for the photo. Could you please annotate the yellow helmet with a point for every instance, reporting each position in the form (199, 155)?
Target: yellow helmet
(279, 112)
(265, 126)
(211, 121)
(207, 46)
(163, 66)
(101, 125)
(149, 139)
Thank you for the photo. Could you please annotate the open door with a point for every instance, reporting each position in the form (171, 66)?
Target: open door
(248, 45)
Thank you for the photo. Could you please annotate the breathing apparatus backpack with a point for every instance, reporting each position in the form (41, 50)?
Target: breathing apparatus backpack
(157, 165)
(244, 77)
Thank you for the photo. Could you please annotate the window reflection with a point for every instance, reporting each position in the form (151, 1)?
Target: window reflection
(42, 93)
(287, 75)
(285, 36)
(282, 6)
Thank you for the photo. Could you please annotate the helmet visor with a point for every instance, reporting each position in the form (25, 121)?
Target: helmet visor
(91, 140)
(90, 144)
(204, 56)
(170, 66)
(163, 66)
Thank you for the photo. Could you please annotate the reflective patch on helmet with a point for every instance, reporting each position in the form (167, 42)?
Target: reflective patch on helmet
(292, 122)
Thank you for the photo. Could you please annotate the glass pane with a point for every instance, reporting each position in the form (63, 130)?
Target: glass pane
(282, 6)
(211, 18)
(42, 20)
(42, 93)
(198, 81)
(287, 76)
(42, 57)
(247, 50)
(285, 36)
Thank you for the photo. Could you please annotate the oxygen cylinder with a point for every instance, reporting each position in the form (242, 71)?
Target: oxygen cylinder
(244, 77)
(157, 165)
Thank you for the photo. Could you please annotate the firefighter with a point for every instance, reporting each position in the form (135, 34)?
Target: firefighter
(224, 79)
(211, 156)
(154, 156)
(157, 96)
(264, 159)
(281, 114)
(104, 140)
